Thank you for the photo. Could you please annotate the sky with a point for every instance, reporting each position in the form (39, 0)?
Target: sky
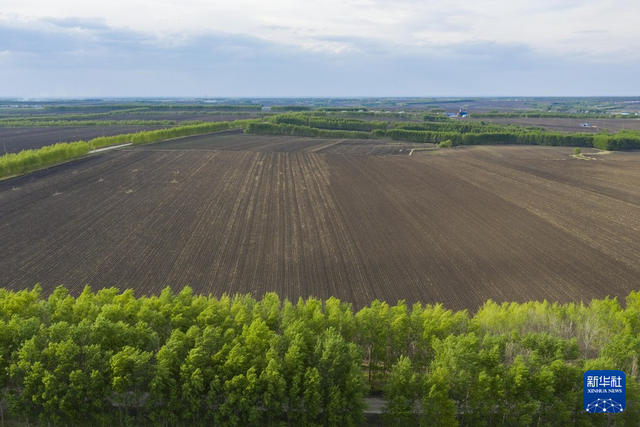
(327, 48)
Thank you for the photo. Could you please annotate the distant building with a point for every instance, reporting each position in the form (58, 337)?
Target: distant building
(462, 113)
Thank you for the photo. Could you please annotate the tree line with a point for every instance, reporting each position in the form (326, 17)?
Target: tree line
(29, 160)
(467, 133)
(296, 130)
(457, 126)
(67, 116)
(43, 122)
(157, 107)
(557, 115)
(338, 123)
(623, 140)
(108, 357)
(367, 113)
(523, 136)
(290, 108)
(341, 109)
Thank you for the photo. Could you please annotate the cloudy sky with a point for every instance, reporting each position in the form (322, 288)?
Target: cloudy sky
(258, 48)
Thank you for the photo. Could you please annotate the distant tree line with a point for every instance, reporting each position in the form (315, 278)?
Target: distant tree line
(338, 123)
(341, 109)
(295, 130)
(369, 113)
(290, 108)
(459, 133)
(544, 114)
(206, 107)
(68, 116)
(137, 111)
(157, 107)
(109, 358)
(43, 123)
(488, 138)
(434, 117)
(456, 126)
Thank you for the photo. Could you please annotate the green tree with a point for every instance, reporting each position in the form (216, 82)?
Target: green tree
(130, 379)
(402, 388)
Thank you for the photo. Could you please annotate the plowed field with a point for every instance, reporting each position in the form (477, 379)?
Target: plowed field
(235, 140)
(302, 217)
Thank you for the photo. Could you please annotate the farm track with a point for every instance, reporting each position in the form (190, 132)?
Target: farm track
(299, 216)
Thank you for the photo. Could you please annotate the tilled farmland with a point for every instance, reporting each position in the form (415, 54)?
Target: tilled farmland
(235, 140)
(343, 218)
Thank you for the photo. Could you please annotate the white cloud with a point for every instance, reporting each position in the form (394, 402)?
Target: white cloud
(328, 48)
(560, 26)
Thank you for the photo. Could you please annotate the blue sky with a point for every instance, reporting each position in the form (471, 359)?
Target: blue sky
(246, 48)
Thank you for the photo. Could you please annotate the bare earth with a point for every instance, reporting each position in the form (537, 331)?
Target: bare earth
(251, 214)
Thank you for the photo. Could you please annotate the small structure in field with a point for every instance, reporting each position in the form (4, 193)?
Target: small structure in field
(462, 113)
(586, 125)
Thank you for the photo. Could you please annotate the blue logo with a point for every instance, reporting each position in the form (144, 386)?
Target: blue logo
(604, 391)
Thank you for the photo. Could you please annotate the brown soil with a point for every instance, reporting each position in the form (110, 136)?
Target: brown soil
(455, 226)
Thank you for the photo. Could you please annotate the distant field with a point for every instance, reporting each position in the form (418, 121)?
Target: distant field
(238, 213)
(237, 141)
(16, 139)
(179, 116)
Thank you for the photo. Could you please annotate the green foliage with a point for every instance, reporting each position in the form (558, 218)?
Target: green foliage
(290, 108)
(576, 151)
(29, 160)
(26, 122)
(505, 136)
(296, 130)
(446, 144)
(157, 107)
(435, 129)
(343, 109)
(181, 359)
(623, 140)
(328, 123)
(543, 114)
(403, 389)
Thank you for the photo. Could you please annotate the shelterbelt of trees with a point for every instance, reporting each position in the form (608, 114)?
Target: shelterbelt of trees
(337, 123)
(109, 358)
(40, 122)
(296, 130)
(157, 107)
(69, 116)
(29, 160)
(459, 133)
(626, 139)
(552, 114)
